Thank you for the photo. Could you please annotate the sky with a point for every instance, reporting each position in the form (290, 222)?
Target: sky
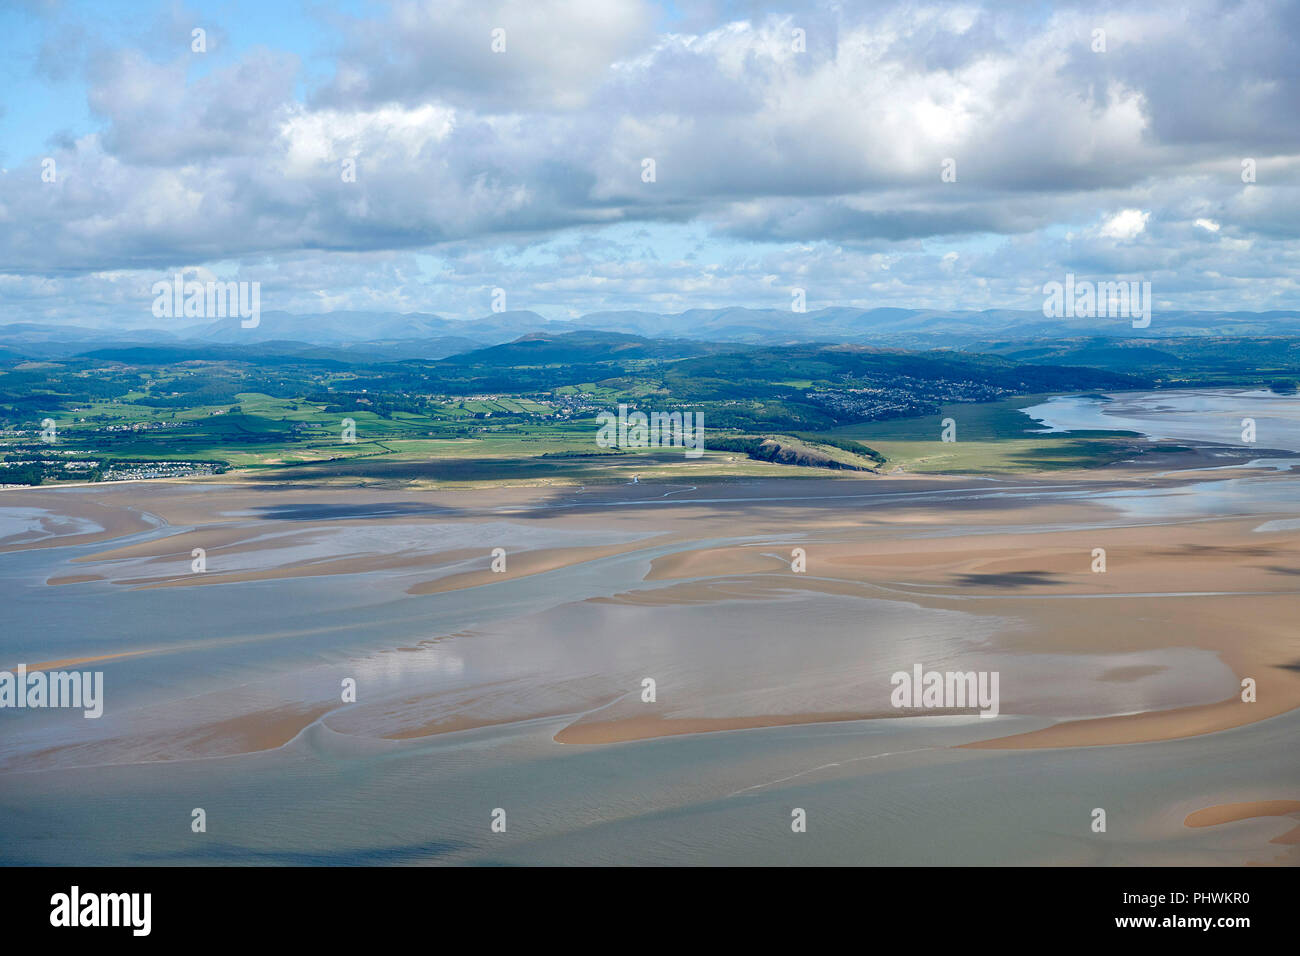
(590, 155)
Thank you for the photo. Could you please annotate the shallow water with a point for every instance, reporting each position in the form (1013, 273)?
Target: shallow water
(875, 792)
(885, 791)
(1210, 415)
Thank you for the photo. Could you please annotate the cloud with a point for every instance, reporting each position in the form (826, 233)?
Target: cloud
(504, 55)
(1126, 224)
(157, 117)
(775, 157)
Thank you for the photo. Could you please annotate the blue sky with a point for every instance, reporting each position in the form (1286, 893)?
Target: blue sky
(38, 105)
(794, 147)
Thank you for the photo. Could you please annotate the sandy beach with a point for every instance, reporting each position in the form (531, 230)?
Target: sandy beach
(1015, 554)
(692, 586)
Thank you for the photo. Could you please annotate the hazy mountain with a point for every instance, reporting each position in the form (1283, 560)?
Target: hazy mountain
(425, 335)
(716, 372)
(45, 341)
(337, 328)
(549, 348)
(923, 328)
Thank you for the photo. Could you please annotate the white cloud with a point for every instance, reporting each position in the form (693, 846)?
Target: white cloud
(1127, 224)
(761, 151)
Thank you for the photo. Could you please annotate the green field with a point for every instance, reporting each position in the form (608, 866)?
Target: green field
(263, 437)
(527, 412)
(991, 437)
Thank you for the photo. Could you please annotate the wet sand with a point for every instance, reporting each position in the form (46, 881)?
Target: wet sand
(1227, 813)
(524, 688)
(1007, 551)
(93, 520)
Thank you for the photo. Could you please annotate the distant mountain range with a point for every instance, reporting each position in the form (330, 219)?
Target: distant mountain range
(386, 336)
